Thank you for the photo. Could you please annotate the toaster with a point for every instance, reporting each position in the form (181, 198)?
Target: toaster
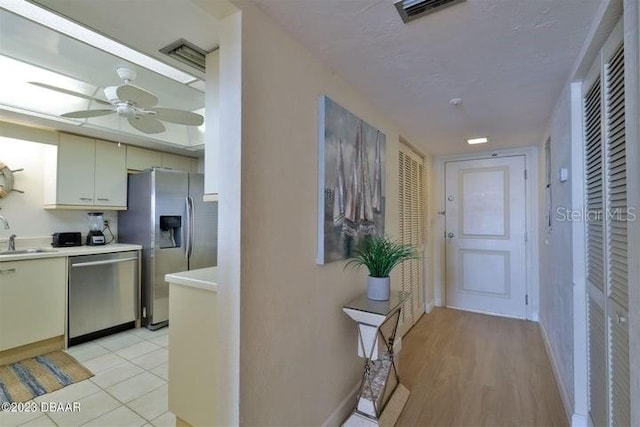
(61, 240)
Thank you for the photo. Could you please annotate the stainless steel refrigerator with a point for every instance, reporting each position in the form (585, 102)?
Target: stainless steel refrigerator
(177, 230)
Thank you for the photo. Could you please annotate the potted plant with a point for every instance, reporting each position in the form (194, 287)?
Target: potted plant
(380, 254)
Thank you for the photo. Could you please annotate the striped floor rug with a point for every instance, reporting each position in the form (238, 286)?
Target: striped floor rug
(29, 378)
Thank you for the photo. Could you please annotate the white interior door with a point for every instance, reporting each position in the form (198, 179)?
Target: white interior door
(485, 233)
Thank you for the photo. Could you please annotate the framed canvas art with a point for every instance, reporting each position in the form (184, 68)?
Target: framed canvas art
(351, 193)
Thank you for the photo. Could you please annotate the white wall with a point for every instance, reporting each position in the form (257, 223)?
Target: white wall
(556, 287)
(27, 217)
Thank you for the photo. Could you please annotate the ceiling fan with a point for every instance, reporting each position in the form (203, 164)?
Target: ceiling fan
(133, 103)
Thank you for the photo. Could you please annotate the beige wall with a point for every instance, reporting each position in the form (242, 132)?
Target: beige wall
(297, 348)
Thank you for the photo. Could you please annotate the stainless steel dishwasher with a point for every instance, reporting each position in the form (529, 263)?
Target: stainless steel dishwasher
(104, 295)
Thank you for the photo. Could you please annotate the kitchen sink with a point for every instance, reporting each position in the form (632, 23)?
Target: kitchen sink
(27, 251)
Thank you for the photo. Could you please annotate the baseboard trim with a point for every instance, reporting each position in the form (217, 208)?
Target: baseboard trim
(343, 410)
(31, 350)
(429, 307)
(488, 313)
(182, 423)
(579, 420)
(564, 395)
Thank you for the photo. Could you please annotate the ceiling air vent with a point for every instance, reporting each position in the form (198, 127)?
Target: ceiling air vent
(187, 53)
(414, 9)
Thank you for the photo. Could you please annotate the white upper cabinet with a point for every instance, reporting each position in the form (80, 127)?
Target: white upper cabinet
(139, 159)
(75, 171)
(110, 174)
(82, 172)
(173, 161)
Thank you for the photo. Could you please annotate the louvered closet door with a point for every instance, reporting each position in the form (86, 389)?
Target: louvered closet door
(606, 232)
(595, 250)
(616, 221)
(411, 212)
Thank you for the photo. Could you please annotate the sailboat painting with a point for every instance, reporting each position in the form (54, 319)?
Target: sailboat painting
(351, 199)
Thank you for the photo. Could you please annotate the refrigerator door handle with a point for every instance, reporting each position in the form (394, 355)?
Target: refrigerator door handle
(187, 232)
(192, 227)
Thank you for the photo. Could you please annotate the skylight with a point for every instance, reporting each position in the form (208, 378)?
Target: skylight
(34, 53)
(85, 35)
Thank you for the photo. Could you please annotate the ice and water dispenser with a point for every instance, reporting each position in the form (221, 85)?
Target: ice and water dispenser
(170, 236)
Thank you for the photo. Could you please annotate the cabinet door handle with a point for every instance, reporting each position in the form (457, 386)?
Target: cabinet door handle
(103, 199)
(8, 270)
(86, 199)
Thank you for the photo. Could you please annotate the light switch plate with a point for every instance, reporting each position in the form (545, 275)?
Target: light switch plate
(564, 174)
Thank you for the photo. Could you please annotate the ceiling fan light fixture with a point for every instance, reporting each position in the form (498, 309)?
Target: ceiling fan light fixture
(187, 53)
(135, 104)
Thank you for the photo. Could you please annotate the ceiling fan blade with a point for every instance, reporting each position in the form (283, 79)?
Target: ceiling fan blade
(69, 92)
(140, 97)
(146, 124)
(180, 117)
(84, 114)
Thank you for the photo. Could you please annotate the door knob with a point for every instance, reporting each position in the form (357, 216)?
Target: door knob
(450, 235)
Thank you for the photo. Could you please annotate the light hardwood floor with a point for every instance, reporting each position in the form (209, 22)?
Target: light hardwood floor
(467, 369)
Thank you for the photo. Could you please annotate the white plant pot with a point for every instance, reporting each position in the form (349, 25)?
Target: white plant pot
(378, 288)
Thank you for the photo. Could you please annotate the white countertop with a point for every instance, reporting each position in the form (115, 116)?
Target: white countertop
(71, 251)
(204, 278)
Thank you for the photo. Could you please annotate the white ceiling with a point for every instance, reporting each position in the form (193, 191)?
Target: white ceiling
(32, 52)
(507, 59)
(144, 25)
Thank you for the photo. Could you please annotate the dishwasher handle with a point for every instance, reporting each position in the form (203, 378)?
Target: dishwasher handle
(107, 261)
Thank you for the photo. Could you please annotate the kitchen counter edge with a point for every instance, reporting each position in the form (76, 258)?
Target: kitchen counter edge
(73, 251)
(203, 278)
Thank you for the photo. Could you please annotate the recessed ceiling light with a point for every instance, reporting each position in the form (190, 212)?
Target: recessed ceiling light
(477, 141)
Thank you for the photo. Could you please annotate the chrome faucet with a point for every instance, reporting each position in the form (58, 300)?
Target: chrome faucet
(12, 243)
(4, 221)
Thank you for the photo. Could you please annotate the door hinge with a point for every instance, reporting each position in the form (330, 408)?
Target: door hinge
(526, 299)
(525, 174)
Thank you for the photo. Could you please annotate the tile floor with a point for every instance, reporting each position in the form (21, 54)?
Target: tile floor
(129, 387)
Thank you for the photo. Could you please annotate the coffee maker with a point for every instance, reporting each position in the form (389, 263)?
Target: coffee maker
(95, 237)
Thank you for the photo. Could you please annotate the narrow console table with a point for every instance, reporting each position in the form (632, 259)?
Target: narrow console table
(381, 396)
